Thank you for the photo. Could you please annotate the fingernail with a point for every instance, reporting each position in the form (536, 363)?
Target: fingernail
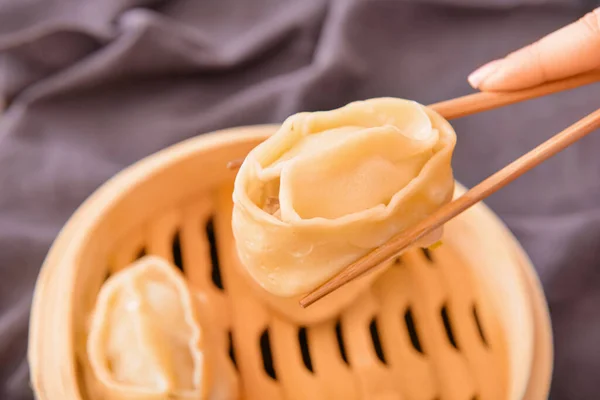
(482, 73)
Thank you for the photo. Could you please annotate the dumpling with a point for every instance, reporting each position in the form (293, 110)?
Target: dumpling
(145, 341)
(323, 310)
(330, 186)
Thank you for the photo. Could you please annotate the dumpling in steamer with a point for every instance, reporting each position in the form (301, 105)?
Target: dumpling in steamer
(330, 186)
(145, 341)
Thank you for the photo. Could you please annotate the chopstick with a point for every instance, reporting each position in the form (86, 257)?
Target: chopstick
(488, 186)
(484, 101)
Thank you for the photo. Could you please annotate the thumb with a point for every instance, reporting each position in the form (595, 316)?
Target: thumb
(569, 51)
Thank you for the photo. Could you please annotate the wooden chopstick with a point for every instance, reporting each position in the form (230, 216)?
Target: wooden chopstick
(235, 164)
(488, 186)
(484, 101)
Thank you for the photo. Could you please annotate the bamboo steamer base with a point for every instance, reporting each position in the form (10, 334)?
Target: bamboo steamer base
(428, 328)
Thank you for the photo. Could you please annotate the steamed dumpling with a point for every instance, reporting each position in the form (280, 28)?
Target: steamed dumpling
(330, 186)
(145, 341)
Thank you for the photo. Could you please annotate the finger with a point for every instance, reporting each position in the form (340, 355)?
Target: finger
(569, 51)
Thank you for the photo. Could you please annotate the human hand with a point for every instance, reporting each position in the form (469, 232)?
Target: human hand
(569, 51)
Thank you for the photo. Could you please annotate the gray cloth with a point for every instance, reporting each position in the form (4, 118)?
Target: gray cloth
(93, 86)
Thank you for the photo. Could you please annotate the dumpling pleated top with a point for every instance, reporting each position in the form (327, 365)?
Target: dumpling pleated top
(328, 187)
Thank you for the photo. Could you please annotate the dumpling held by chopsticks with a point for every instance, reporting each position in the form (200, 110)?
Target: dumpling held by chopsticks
(330, 186)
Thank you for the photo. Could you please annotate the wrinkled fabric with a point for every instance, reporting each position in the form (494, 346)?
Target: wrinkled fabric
(92, 86)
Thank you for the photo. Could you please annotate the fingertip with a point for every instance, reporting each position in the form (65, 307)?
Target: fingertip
(502, 81)
(478, 77)
(569, 51)
(520, 70)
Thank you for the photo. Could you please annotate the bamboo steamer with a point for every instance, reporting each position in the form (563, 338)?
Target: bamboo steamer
(465, 321)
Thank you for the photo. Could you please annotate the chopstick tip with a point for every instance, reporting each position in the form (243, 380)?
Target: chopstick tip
(322, 291)
(235, 164)
(305, 302)
(310, 298)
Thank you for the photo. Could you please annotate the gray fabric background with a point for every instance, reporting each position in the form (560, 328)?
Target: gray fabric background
(93, 86)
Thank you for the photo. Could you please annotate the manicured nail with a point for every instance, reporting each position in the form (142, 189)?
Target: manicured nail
(482, 73)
